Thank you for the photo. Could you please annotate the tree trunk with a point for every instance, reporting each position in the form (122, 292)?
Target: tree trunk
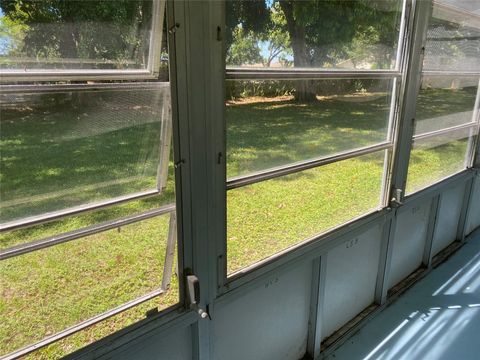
(304, 89)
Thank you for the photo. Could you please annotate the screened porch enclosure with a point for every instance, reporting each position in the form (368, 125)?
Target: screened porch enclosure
(178, 178)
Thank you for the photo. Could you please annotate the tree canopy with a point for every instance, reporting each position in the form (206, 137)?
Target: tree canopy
(108, 31)
(316, 33)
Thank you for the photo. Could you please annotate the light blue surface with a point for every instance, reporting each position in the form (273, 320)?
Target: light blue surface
(438, 318)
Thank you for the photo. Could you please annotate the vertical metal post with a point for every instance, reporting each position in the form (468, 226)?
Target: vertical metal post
(217, 148)
(432, 223)
(317, 299)
(155, 45)
(473, 159)
(465, 212)
(388, 233)
(197, 30)
(170, 251)
(412, 68)
(165, 142)
(181, 141)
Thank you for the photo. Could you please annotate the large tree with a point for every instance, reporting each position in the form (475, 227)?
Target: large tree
(318, 30)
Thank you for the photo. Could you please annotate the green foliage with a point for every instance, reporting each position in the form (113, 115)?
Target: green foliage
(14, 31)
(315, 33)
(277, 39)
(244, 48)
(103, 30)
(250, 15)
(264, 88)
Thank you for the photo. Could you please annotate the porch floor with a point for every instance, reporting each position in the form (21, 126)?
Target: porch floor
(438, 318)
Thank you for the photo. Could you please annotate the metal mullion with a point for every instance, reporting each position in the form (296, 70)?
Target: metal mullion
(385, 260)
(155, 41)
(386, 177)
(58, 88)
(57, 215)
(474, 140)
(304, 165)
(431, 229)
(306, 74)
(392, 129)
(450, 73)
(393, 114)
(180, 139)
(413, 52)
(317, 299)
(63, 75)
(83, 325)
(406, 6)
(79, 233)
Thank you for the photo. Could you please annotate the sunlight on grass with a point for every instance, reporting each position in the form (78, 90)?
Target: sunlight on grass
(49, 290)
(66, 149)
(267, 132)
(270, 216)
(45, 291)
(429, 165)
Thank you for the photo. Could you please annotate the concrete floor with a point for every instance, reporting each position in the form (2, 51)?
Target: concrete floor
(438, 318)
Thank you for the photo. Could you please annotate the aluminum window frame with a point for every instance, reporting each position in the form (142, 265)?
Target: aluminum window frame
(82, 233)
(396, 75)
(473, 125)
(178, 210)
(79, 234)
(465, 17)
(149, 73)
(164, 155)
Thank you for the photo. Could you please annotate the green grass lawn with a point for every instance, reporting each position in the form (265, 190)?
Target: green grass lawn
(48, 290)
(61, 151)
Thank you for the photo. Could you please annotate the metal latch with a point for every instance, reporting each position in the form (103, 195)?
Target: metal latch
(397, 197)
(193, 290)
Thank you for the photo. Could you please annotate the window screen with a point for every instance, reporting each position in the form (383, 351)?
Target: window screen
(70, 146)
(311, 87)
(88, 240)
(446, 122)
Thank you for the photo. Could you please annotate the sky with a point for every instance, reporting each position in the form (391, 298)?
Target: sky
(4, 40)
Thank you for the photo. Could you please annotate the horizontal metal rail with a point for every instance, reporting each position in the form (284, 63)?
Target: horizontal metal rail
(62, 61)
(81, 326)
(47, 217)
(80, 233)
(440, 132)
(66, 75)
(306, 74)
(55, 88)
(451, 73)
(303, 165)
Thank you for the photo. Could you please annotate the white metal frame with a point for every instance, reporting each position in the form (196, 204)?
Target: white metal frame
(178, 213)
(164, 156)
(201, 186)
(210, 178)
(388, 145)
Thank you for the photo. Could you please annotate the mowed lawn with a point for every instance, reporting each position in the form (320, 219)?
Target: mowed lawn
(47, 290)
